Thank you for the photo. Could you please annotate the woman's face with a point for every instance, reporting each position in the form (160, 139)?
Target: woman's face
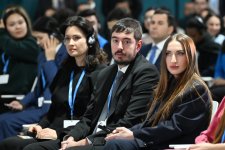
(41, 37)
(76, 42)
(176, 60)
(213, 25)
(16, 26)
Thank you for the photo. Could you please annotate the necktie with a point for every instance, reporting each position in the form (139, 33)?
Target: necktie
(152, 55)
(105, 110)
(111, 95)
(116, 83)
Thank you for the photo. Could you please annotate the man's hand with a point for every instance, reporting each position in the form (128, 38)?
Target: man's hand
(120, 133)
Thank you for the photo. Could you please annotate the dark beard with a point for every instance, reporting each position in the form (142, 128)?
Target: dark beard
(124, 63)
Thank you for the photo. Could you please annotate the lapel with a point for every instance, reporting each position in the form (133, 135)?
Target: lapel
(60, 55)
(106, 80)
(145, 50)
(123, 84)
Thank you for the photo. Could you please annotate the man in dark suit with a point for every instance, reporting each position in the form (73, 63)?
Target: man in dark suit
(162, 25)
(128, 106)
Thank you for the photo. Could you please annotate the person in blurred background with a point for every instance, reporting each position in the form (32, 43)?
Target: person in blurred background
(19, 52)
(31, 108)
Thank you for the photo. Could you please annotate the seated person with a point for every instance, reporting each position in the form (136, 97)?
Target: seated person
(218, 83)
(19, 52)
(27, 110)
(72, 86)
(214, 136)
(181, 105)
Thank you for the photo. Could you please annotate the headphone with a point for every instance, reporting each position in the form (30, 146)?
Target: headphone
(91, 39)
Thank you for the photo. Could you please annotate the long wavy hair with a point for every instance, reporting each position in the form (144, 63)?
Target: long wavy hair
(185, 81)
(95, 54)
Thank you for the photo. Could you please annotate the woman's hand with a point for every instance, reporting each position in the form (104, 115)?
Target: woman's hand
(219, 81)
(46, 133)
(120, 133)
(35, 128)
(1, 24)
(15, 105)
(71, 143)
(207, 146)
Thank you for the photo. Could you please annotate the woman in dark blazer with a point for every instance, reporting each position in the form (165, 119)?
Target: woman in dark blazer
(72, 86)
(181, 107)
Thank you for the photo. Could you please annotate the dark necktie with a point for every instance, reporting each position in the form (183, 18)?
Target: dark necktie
(116, 83)
(152, 54)
(106, 108)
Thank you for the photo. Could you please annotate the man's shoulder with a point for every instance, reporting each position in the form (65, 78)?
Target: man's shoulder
(141, 63)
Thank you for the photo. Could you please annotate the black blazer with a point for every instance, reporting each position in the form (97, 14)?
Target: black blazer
(59, 109)
(189, 116)
(129, 105)
(145, 50)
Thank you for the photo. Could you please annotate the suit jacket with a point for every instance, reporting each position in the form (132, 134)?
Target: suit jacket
(189, 116)
(49, 68)
(145, 50)
(128, 106)
(59, 109)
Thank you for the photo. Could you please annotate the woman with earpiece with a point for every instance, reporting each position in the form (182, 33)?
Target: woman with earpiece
(71, 89)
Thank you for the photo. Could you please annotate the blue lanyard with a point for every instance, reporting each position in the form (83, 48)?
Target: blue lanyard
(6, 63)
(223, 138)
(72, 96)
(43, 79)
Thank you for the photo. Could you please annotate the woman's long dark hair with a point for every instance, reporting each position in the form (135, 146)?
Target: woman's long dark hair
(95, 55)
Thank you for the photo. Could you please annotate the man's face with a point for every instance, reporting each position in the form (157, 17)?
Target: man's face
(93, 20)
(124, 47)
(194, 34)
(200, 5)
(159, 27)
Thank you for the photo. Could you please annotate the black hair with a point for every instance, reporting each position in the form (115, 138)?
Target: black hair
(196, 22)
(211, 15)
(129, 25)
(62, 14)
(87, 13)
(117, 14)
(48, 25)
(95, 55)
(170, 18)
